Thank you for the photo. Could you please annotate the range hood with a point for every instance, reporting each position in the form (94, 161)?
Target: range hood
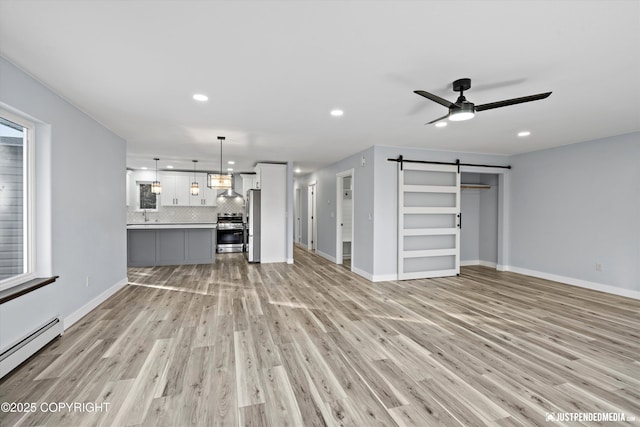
(230, 194)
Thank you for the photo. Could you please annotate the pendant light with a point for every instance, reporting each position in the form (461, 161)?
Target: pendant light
(219, 181)
(156, 188)
(195, 187)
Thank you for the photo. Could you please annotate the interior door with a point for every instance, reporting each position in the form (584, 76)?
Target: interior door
(428, 220)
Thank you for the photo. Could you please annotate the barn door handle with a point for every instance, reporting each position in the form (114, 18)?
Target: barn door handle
(460, 220)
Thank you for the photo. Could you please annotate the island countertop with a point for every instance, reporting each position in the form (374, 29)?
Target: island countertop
(170, 225)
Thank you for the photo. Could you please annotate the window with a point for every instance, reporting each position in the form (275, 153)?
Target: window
(16, 195)
(148, 200)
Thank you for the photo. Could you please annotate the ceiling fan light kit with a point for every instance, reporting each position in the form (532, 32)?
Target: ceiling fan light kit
(465, 110)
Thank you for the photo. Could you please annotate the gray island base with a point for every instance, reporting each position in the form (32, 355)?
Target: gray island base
(150, 245)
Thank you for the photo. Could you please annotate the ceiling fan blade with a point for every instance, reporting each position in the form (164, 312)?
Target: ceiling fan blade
(437, 120)
(434, 98)
(513, 101)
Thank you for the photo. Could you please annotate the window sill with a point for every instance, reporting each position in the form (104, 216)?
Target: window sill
(24, 288)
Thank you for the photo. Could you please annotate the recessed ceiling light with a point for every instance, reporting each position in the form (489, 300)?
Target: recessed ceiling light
(524, 133)
(441, 124)
(231, 162)
(230, 169)
(144, 168)
(337, 113)
(200, 97)
(297, 170)
(169, 167)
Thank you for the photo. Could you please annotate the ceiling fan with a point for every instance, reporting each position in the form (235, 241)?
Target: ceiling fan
(465, 110)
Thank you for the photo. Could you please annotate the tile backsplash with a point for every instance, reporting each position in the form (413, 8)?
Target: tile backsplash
(186, 213)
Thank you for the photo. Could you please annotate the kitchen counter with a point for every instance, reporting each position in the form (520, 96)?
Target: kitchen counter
(152, 244)
(170, 225)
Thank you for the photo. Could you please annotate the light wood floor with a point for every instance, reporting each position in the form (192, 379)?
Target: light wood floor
(312, 344)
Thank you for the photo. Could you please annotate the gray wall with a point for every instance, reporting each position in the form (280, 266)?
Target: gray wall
(363, 183)
(87, 213)
(578, 205)
(568, 208)
(489, 219)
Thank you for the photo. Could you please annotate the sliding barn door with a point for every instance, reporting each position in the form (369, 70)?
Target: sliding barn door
(428, 221)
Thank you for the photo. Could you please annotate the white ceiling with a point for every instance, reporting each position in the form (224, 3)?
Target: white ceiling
(274, 70)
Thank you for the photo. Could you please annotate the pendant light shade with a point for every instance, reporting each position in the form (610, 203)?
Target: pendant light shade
(156, 188)
(195, 187)
(219, 181)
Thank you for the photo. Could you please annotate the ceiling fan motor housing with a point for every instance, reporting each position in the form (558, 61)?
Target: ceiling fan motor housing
(461, 85)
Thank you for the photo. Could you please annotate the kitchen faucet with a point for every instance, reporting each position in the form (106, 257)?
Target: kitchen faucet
(146, 215)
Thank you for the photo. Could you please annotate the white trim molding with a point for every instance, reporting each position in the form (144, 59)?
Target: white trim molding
(85, 309)
(326, 256)
(478, 262)
(374, 278)
(629, 293)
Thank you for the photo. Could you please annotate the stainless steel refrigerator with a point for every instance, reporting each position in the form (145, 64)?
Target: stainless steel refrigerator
(253, 225)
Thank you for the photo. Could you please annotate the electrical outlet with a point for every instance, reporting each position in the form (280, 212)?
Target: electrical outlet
(598, 266)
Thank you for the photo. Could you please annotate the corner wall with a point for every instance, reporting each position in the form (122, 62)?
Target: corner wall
(363, 187)
(576, 206)
(85, 164)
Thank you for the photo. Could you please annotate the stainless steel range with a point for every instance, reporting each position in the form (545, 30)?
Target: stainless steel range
(230, 234)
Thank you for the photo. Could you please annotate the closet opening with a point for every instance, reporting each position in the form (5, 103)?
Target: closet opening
(479, 206)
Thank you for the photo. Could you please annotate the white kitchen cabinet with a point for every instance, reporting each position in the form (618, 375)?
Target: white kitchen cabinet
(248, 182)
(207, 196)
(128, 187)
(175, 189)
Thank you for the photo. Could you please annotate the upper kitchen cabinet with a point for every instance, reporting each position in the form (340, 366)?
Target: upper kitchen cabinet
(206, 196)
(128, 187)
(248, 182)
(175, 189)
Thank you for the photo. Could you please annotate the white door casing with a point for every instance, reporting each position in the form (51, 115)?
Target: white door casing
(312, 227)
(340, 217)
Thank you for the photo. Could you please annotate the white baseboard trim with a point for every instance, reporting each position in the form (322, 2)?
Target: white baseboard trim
(478, 262)
(85, 309)
(272, 260)
(362, 273)
(289, 260)
(576, 282)
(326, 256)
(374, 278)
(384, 277)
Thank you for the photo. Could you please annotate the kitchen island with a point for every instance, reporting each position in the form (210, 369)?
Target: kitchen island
(151, 244)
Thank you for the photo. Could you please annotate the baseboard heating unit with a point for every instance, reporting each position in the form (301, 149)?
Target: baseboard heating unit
(29, 345)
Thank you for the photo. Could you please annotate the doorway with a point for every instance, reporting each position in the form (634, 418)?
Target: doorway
(312, 226)
(479, 210)
(344, 218)
(298, 208)
(492, 222)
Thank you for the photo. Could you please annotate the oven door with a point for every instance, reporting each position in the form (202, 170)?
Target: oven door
(230, 240)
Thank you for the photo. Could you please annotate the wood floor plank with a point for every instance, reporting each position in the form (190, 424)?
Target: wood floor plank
(248, 376)
(280, 401)
(312, 344)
